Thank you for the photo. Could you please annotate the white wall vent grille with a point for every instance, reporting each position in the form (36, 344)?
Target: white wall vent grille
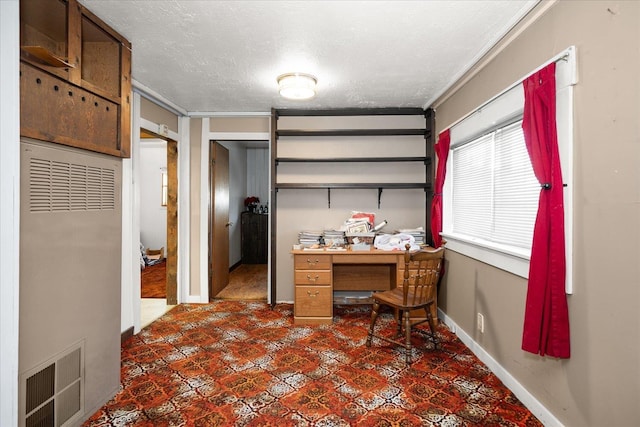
(53, 392)
(56, 186)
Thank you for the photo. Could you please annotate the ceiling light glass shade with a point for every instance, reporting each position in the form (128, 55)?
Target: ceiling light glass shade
(297, 85)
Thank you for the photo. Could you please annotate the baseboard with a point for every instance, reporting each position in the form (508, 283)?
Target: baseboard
(124, 336)
(196, 299)
(527, 399)
(234, 266)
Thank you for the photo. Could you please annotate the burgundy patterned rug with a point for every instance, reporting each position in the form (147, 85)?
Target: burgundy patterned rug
(234, 363)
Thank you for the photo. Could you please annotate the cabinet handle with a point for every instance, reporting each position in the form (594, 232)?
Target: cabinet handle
(313, 294)
(312, 279)
(312, 263)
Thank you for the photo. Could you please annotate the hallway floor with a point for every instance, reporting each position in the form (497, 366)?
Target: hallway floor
(247, 282)
(151, 309)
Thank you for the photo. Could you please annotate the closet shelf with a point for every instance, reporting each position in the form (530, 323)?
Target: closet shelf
(46, 56)
(352, 160)
(389, 111)
(363, 185)
(350, 132)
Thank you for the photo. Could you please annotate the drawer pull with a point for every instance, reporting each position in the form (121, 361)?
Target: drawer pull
(312, 279)
(312, 263)
(313, 294)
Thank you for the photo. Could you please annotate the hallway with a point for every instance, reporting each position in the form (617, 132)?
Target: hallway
(247, 282)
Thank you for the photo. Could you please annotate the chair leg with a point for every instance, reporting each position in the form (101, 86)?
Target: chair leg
(407, 336)
(374, 317)
(432, 326)
(399, 322)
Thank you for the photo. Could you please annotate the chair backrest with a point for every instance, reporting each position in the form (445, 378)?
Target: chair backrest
(421, 274)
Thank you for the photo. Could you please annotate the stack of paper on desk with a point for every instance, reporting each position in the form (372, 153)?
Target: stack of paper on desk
(309, 238)
(417, 233)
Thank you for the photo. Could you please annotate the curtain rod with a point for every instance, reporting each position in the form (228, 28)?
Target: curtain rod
(568, 55)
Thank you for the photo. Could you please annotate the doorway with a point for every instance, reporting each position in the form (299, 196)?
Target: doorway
(245, 235)
(158, 229)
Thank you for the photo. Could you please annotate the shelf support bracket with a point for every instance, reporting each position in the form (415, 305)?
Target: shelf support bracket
(329, 198)
(379, 196)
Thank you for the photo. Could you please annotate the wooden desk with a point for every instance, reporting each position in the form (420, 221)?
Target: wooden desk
(319, 273)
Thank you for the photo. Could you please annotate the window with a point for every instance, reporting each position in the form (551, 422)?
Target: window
(494, 192)
(165, 188)
(490, 196)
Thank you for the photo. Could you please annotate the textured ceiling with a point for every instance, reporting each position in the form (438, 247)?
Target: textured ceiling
(224, 56)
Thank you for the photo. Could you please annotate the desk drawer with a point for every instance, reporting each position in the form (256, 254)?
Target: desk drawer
(314, 301)
(313, 277)
(312, 262)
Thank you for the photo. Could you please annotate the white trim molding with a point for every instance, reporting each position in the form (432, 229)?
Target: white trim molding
(527, 399)
(492, 254)
(184, 208)
(204, 215)
(134, 212)
(158, 128)
(9, 210)
(229, 114)
(158, 99)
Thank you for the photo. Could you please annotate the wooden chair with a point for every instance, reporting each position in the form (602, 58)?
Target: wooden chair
(421, 274)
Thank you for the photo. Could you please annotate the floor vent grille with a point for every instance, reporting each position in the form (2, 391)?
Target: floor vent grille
(53, 391)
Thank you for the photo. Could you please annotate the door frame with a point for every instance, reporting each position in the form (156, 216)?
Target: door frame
(171, 249)
(131, 302)
(205, 196)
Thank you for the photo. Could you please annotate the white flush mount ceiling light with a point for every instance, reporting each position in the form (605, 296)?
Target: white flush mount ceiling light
(298, 86)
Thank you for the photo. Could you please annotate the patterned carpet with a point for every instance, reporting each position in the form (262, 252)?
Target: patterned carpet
(233, 363)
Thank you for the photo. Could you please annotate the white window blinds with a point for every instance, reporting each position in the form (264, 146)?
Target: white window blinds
(495, 193)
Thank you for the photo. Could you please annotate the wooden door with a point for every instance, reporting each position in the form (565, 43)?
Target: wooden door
(219, 245)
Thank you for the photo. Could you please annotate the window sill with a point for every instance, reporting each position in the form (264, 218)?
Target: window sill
(506, 258)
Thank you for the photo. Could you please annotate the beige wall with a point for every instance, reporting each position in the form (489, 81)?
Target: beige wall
(157, 114)
(307, 209)
(600, 384)
(239, 124)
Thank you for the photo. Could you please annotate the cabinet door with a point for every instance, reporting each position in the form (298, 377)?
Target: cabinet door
(261, 238)
(254, 238)
(44, 36)
(75, 78)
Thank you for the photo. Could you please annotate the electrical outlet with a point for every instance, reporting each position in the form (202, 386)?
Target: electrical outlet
(480, 323)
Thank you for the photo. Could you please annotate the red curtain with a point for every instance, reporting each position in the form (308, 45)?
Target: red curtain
(546, 318)
(442, 151)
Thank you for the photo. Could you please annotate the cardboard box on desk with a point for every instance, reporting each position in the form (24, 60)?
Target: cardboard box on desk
(360, 238)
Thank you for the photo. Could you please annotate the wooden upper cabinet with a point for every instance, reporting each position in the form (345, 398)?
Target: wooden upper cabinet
(75, 78)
